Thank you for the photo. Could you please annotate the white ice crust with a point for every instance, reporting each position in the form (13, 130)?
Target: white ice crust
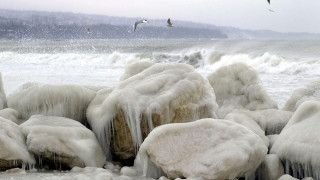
(204, 149)
(298, 144)
(70, 101)
(12, 143)
(238, 86)
(63, 136)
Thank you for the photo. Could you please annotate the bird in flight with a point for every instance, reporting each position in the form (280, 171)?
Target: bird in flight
(271, 10)
(268, 1)
(88, 31)
(169, 23)
(138, 22)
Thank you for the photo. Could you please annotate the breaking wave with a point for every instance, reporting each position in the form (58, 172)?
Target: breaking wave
(211, 59)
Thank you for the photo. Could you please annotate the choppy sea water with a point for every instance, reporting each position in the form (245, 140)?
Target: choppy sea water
(283, 66)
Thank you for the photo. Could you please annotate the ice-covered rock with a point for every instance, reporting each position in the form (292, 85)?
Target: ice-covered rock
(270, 169)
(238, 86)
(122, 116)
(135, 68)
(310, 92)
(10, 114)
(62, 141)
(3, 98)
(70, 101)
(13, 149)
(298, 144)
(204, 149)
(271, 121)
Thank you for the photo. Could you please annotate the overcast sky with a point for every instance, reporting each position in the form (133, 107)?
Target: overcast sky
(289, 15)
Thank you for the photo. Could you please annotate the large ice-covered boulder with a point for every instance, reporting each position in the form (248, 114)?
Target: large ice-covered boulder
(62, 141)
(13, 149)
(298, 144)
(135, 68)
(270, 121)
(70, 101)
(310, 92)
(238, 86)
(122, 116)
(3, 99)
(203, 149)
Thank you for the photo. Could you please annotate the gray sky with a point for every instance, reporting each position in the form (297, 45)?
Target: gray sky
(289, 15)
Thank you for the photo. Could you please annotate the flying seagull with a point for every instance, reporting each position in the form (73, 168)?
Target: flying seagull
(271, 10)
(169, 23)
(138, 22)
(268, 1)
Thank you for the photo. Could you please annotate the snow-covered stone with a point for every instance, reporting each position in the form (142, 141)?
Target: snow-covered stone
(3, 98)
(63, 141)
(13, 149)
(310, 92)
(204, 149)
(238, 86)
(70, 101)
(298, 144)
(123, 116)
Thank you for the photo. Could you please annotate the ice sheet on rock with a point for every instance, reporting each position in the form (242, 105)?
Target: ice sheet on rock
(63, 136)
(298, 144)
(237, 86)
(204, 149)
(310, 92)
(135, 68)
(160, 89)
(69, 101)
(12, 143)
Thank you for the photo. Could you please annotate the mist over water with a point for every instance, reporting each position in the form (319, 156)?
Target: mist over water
(283, 66)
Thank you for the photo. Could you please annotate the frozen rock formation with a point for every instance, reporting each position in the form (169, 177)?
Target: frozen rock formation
(237, 86)
(123, 116)
(310, 92)
(298, 144)
(204, 149)
(13, 149)
(68, 101)
(62, 141)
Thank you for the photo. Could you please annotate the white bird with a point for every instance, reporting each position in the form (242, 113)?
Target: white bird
(138, 22)
(169, 23)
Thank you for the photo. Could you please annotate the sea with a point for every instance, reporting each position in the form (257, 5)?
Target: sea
(282, 65)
